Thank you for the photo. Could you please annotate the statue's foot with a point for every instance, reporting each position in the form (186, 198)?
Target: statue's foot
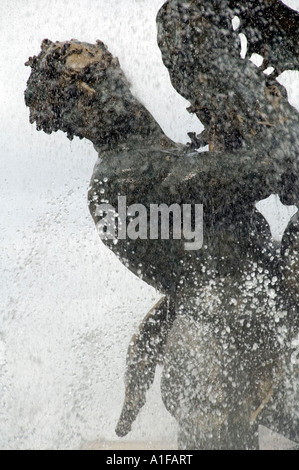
(144, 353)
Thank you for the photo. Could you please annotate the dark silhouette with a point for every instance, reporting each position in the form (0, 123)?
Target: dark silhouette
(223, 328)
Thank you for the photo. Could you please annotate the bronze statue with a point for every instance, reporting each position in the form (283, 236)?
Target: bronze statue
(223, 328)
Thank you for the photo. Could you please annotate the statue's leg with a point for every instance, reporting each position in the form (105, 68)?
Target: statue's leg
(205, 387)
(145, 351)
(204, 433)
(282, 414)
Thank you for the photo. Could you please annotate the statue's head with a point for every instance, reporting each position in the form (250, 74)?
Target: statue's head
(79, 88)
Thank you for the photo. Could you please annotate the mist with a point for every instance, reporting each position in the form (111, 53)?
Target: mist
(68, 306)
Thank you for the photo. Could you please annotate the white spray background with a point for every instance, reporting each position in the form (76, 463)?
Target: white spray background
(68, 307)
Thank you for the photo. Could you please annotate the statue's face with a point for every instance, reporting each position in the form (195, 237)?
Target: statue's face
(69, 84)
